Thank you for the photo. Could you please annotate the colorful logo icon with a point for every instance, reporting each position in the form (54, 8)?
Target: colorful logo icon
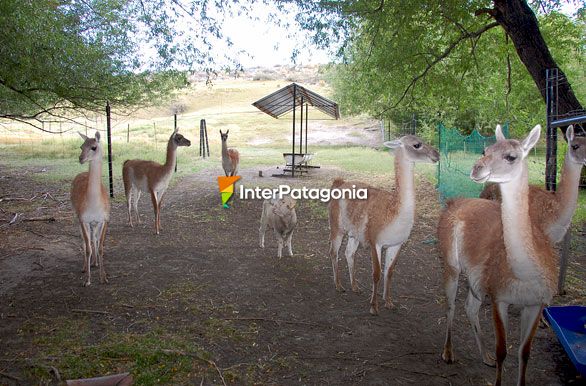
(226, 185)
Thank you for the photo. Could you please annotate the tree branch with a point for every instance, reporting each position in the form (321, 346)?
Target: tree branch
(439, 58)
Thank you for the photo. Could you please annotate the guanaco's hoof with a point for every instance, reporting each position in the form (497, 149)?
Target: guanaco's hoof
(447, 357)
(489, 360)
(374, 311)
(389, 305)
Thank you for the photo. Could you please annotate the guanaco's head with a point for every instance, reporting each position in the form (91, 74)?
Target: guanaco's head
(284, 205)
(504, 160)
(224, 135)
(180, 140)
(415, 149)
(90, 149)
(576, 146)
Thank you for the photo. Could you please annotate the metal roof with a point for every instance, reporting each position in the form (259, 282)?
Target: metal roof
(281, 101)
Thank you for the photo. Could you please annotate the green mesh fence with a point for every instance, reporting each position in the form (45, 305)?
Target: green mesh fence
(458, 153)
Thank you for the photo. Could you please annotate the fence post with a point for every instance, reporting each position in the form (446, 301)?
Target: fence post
(174, 130)
(203, 136)
(128, 134)
(109, 135)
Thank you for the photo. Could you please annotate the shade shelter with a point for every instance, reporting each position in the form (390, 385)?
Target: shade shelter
(288, 99)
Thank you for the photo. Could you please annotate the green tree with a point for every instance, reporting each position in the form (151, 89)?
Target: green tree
(403, 53)
(62, 58)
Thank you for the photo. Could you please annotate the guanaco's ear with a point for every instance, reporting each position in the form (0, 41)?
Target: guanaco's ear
(570, 133)
(393, 144)
(498, 133)
(531, 140)
(97, 136)
(220, 131)
(227, 131)
(84, 137)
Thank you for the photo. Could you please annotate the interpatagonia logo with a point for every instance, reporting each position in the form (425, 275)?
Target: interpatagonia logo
(226, 185)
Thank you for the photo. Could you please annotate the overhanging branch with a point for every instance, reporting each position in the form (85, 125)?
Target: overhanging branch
(463, 36)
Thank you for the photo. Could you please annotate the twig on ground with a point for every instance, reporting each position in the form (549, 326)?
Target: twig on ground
(5, 375)
(48, 219)
(82, 311)
(14, 219)
(388, 365)
(160, 292)
(277, 321)
(198, 356)
(36, 233)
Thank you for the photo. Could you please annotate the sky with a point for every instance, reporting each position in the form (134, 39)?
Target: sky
(269, 44)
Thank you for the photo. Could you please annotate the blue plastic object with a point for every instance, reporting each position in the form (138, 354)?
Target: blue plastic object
(569, 324)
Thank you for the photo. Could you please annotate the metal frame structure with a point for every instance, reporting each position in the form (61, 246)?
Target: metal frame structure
(555, 120)
(287, 99)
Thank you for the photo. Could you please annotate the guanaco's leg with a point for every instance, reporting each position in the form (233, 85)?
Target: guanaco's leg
(335, 243)
(351, 246)
(85, 233)
(529, 321)
(500, 317)
(472, 309)
(376, 274)
(103, 278)
(156, 209)
(390, 261)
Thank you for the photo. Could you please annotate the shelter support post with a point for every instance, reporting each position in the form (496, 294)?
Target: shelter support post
(293, 141)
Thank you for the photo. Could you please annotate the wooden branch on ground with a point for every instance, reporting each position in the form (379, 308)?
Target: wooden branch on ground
(277, 321)
(83, 311)
(6, 375)
(48, 219)
(124, 379)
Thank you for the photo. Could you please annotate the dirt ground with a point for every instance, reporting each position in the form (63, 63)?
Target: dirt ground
(282, 322)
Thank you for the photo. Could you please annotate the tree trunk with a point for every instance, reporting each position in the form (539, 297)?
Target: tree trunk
(520, 23)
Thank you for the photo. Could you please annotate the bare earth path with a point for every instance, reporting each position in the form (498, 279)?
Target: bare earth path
(260, 320)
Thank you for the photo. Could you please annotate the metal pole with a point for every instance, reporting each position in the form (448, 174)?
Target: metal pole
(109, 135)
(201, 150)
(551, 102)
(293, 142)
(306, 115)
(551, 132)
(301, 128)
(205, 133)
(128, 134)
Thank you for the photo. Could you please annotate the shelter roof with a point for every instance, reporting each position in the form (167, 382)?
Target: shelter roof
(281, 101)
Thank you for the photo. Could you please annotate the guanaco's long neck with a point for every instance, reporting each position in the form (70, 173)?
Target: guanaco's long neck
(404, 180)
(567, 196)
(171, 155)
(224, 149)
(517, 229)
(95, 176)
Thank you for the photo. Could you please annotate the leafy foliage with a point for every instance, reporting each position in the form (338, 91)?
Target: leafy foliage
(62, 57)
(442, 60)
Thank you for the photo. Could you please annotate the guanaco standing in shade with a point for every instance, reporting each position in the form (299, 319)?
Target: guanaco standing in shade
(504, 255)
(92, 206)
(383, 220)
(152, 177)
